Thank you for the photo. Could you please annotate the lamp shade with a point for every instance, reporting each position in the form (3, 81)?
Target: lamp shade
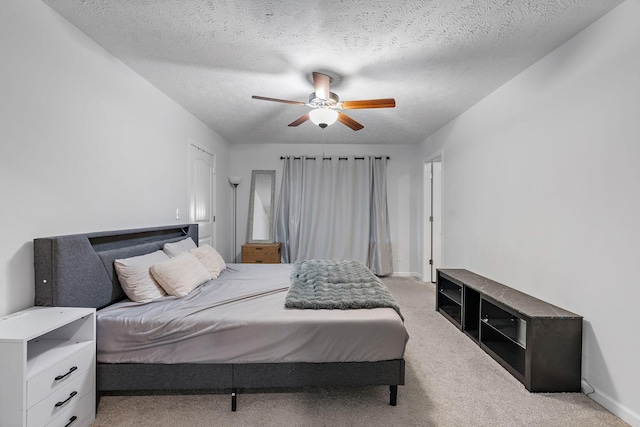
(235, 180)
(323, 117)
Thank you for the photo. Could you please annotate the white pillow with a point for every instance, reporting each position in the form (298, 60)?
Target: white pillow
(211, 259)
(135, 279)
(173, 249)
(181, 274)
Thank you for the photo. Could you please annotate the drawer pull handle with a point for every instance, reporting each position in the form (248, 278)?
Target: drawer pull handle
(73, 393)
(258, 261)
(258, 249)
(71, 420)
(59, 377)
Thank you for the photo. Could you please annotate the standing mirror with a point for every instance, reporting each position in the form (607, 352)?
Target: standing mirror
(261, 205)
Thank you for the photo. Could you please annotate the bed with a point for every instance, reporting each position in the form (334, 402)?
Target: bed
(258, 342)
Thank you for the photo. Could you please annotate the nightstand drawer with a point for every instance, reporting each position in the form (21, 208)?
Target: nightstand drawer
(65, 371)
(78, 415)
(62, 399)
(261, 253)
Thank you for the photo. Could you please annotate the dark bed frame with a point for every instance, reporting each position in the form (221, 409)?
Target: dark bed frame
(77, 271)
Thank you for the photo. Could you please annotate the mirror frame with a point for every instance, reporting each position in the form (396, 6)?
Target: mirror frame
(254, 175)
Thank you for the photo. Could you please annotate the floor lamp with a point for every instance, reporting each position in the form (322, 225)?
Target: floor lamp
(234, 180)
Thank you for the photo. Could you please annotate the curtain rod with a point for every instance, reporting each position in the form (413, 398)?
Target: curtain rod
(329, 158)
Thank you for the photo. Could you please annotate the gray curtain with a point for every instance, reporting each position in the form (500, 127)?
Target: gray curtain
(335, 208)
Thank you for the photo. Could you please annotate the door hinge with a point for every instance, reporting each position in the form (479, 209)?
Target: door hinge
(430, 262)
(430, 219)
(214, 218)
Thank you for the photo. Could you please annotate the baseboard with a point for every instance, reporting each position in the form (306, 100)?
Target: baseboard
(401, 274)
(616, 408)
(408, 274)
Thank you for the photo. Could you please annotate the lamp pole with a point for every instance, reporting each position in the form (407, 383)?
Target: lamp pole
(234, 180)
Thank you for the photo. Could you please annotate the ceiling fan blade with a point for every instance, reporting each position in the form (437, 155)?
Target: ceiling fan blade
(284, 101)
(321, 85)
(348, 121)
(300, 120)
(369, 103)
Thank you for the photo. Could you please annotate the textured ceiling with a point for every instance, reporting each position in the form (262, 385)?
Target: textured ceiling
(436, 58)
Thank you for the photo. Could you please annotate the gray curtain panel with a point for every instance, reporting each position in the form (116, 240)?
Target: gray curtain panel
(335, 209)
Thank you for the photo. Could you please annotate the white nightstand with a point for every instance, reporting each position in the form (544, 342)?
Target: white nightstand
(47, 367)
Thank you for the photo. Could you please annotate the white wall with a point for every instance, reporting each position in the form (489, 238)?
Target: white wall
(85, 144)
(247, 157)
(541, 193)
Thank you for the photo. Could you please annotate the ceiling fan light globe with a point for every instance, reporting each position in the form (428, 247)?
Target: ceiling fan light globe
(323, 117)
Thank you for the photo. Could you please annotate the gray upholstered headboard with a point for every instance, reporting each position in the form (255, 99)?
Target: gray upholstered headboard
(77, 270)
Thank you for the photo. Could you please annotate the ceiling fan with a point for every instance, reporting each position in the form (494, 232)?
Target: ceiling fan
(326, 105)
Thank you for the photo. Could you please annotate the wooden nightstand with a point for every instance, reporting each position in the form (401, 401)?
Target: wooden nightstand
(48, 367)
(261, 253)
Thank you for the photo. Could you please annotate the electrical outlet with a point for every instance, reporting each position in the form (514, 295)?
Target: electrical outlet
(178, 213)
(400, 258)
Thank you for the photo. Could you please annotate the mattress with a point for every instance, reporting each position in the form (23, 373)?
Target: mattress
(240, 317)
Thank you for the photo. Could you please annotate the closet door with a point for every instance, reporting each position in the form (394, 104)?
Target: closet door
(201, 193)
(433, 219)
(436, 216)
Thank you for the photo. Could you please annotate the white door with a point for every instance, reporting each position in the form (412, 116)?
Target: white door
(433, 219)
(436, 215)
(201, 193)
(426, 223)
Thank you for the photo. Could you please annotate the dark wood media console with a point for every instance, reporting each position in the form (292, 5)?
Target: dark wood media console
(538, 343)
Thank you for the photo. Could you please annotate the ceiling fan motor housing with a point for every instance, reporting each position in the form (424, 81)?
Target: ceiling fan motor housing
(314, 101)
